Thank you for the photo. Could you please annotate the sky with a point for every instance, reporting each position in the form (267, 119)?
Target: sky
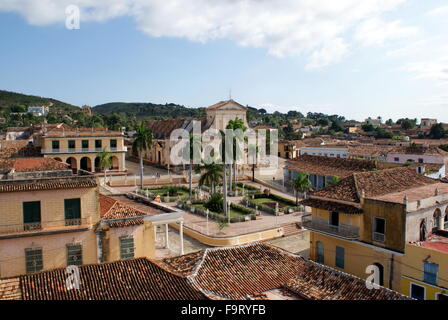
(354, 58)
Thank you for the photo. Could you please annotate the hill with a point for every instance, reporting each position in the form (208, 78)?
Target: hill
(10, 99)
(149, 110)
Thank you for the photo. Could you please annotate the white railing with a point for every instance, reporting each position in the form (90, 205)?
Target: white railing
(319, 224)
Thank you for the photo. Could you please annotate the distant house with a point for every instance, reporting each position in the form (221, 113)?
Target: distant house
(87, 110)
(334, 151)
(18, 133)
(376, 122)
(425, 122)
(39, 110)
(417, 153)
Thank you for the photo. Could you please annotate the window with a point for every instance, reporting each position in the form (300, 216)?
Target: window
(334, 219)
(320, 252)
(33, 260)
(98, 144)
(113, 144)
(430, 272)
(55, 144)
(71, 144)
(445, 222)
(340, 252)
(436, 219)
(31, 215)
(423, 230)
(74, 254)
(417, 292)
(72, 210)
(397, 159)
(85, 144)
(379, 229)
(126, 247)
(420, 160)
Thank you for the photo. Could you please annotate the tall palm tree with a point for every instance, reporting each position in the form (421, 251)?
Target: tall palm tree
(142, 143)
(211, 175)
(235, 125)
(301, 184)
(253, 148)
(193, 140)
(105, 161)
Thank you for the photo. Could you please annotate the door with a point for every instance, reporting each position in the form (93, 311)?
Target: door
(72, 208)
(31, 215)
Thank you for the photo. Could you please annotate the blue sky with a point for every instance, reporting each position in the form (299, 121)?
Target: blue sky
(350, 57)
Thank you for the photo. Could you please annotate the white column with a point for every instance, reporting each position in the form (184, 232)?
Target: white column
(181, 231)
(166, 237)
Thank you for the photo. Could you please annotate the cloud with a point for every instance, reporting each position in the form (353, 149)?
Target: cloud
(436, 71)
(438, 12)
(314, 29)
(375, 31)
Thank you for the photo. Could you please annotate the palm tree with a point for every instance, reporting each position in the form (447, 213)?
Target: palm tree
(142, 143)
(105, 161)
(193, 140)
(301, 184)
(235, 125)
(211, 175)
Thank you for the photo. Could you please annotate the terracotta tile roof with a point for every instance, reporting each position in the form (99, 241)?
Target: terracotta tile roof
(161, 129)
(414, 194)
(222, 103)
(18, 129)
(374, 183)
(32, 164)
(18, 148)
(419, 150)
(133, 279)
(183, 265)
(72, 182)
(317, 282)
(237, 272)
(438, 242)
(330, 206)
(368, 150)
(112, 209)
(10, 289)
(248, 271)
(329, 166)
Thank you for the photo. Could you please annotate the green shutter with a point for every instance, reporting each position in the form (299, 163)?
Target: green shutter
(72, 208)
(33, 260)
(31, 212)
(74, 254)
(126, 247)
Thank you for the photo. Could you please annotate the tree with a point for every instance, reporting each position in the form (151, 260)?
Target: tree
(368, 127)
(142, 143)
(407, 124)
(437, 131)
(105, 161)
(337, 126)
(390, 122)
(301, 184)
(211, 175)
(237, 124)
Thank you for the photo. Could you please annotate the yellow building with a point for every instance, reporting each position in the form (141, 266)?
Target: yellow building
(52, 218)
(425, 268)
(47, 216)
(79, 147)
(367, 218)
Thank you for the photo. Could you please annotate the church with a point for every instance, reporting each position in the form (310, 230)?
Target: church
(217, 116)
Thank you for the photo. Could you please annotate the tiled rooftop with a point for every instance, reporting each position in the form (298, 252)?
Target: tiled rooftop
(32, 164)
(17, 148)
(71, 182)
(329, 166)
(419, 150)
(161, 129)
(436, 241)
(374, 184)
(81, 132)
(116, 208)
(317, 282)
(133, 279)
(222, 103)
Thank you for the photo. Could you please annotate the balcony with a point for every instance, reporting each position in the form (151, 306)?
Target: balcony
(82, 150)
(378, 237)
(323, 226)
(44, 227)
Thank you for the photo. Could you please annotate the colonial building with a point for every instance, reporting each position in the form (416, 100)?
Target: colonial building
(217, 117)
(368, 218)
(48, 216)
(79, 147)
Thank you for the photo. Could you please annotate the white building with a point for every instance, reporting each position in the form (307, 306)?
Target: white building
(325, 151)
(38, 110)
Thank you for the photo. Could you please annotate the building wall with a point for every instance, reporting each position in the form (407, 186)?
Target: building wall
(144, 241)
(54, 251)
(358, 257)
(52, 205)
(326, 152)
(412, 270)
(402, 158)
(395, 217)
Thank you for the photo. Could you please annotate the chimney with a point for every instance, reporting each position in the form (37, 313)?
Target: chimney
(437, 192)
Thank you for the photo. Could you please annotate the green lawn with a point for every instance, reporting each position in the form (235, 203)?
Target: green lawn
(163, 191)
(267, 200)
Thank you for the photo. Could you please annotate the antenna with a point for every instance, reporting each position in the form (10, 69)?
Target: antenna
(230, 94)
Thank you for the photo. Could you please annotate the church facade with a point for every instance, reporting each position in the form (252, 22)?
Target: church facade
(217, 117)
